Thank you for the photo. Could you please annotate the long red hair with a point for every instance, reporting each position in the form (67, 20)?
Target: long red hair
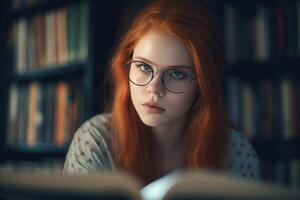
(207, 128)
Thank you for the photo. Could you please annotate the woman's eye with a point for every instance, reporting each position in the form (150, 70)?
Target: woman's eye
(145, 67)
(178, 74)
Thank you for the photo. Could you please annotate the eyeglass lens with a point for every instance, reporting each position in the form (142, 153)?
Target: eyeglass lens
(174, 80)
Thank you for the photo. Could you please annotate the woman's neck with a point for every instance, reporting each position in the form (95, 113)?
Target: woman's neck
(170, 136)
(168, 147)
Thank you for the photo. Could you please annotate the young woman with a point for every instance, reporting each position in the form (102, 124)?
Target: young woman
(167, 111)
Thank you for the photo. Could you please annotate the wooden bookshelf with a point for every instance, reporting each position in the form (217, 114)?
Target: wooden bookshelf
(275, 150)
(86, 67)
(41, 77)
(69, 70)
(29, 10)
(263, 48)
(261, 70)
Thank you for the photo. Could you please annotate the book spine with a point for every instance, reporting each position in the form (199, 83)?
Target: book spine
(32, 107)
(261, 34)
(23, 114)
(230, 26)
(61, 36)
(280, 31)
(12, 138)
(83, 31)
(286, 108)
(49, 113)
(233, 92)
(21, 45)
(61, 91)
(39, 115)
(247, 109)
(270, 109)
(50, 39)
(71, 32)
(295, 173)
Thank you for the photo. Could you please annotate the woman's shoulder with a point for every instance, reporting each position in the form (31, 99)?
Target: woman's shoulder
(242, 157)
(94, 132)
(97, 124)
(90, 149)
(99, 121)
(239, 146)
(237, 135)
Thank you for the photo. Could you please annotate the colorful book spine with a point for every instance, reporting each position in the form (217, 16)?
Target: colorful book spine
(267, 109)
(51, 39)
(44, 113)
(262, 33)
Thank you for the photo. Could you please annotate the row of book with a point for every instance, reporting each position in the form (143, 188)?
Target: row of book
(19, 4)
(44, 113)
(263, 33)
(282, 172)
(265, 109)
(48, 165)
(50, 39)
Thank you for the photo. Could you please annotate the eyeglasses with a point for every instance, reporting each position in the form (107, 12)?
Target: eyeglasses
(174, 80)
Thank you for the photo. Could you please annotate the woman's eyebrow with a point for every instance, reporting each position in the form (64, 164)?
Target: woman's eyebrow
(171, 66)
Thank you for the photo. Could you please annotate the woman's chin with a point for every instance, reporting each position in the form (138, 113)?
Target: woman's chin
(152, 121)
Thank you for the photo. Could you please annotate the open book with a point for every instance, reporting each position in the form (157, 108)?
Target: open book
(107, 185)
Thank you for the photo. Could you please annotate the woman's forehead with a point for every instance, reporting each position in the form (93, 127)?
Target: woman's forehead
(165, 67)
(161, 49)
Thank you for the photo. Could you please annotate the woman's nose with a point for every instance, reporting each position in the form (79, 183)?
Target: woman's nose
(156, 86)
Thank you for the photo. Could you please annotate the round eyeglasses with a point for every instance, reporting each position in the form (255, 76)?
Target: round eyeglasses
(174, 80)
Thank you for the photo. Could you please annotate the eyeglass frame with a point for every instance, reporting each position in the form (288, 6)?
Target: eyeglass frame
(155, 71)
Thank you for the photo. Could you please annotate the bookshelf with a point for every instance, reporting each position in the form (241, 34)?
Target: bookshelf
(53, 76)
(262, 88)
(47, 64)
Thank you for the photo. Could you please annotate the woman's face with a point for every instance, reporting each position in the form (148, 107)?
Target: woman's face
(155, 105)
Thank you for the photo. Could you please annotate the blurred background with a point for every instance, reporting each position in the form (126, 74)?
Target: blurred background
(54, 55)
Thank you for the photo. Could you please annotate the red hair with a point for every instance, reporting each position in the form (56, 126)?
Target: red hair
(207, 128)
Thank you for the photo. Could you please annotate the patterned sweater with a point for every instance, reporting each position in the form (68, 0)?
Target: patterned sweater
(90, 151)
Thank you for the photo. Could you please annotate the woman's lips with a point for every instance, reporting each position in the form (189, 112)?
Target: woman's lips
(153, 108)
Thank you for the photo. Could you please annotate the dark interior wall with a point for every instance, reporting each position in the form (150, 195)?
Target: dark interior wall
(104, 28)
(108, 27)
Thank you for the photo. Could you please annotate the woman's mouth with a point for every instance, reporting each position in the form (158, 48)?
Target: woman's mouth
(152, 108)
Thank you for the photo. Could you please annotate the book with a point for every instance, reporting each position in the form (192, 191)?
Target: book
(60, 23)
(61, 98)
(248, 109)
(32, 114)
(230, 31)
(40, 23)
(50, 38)
(286, 91)
(83, 27)
(20, 46)
(12, 138)
(120, 185)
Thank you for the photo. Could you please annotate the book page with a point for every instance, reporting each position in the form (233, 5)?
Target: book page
(158, 188)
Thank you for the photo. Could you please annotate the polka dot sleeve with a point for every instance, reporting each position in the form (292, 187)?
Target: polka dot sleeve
(88, 150)
(242, 158)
